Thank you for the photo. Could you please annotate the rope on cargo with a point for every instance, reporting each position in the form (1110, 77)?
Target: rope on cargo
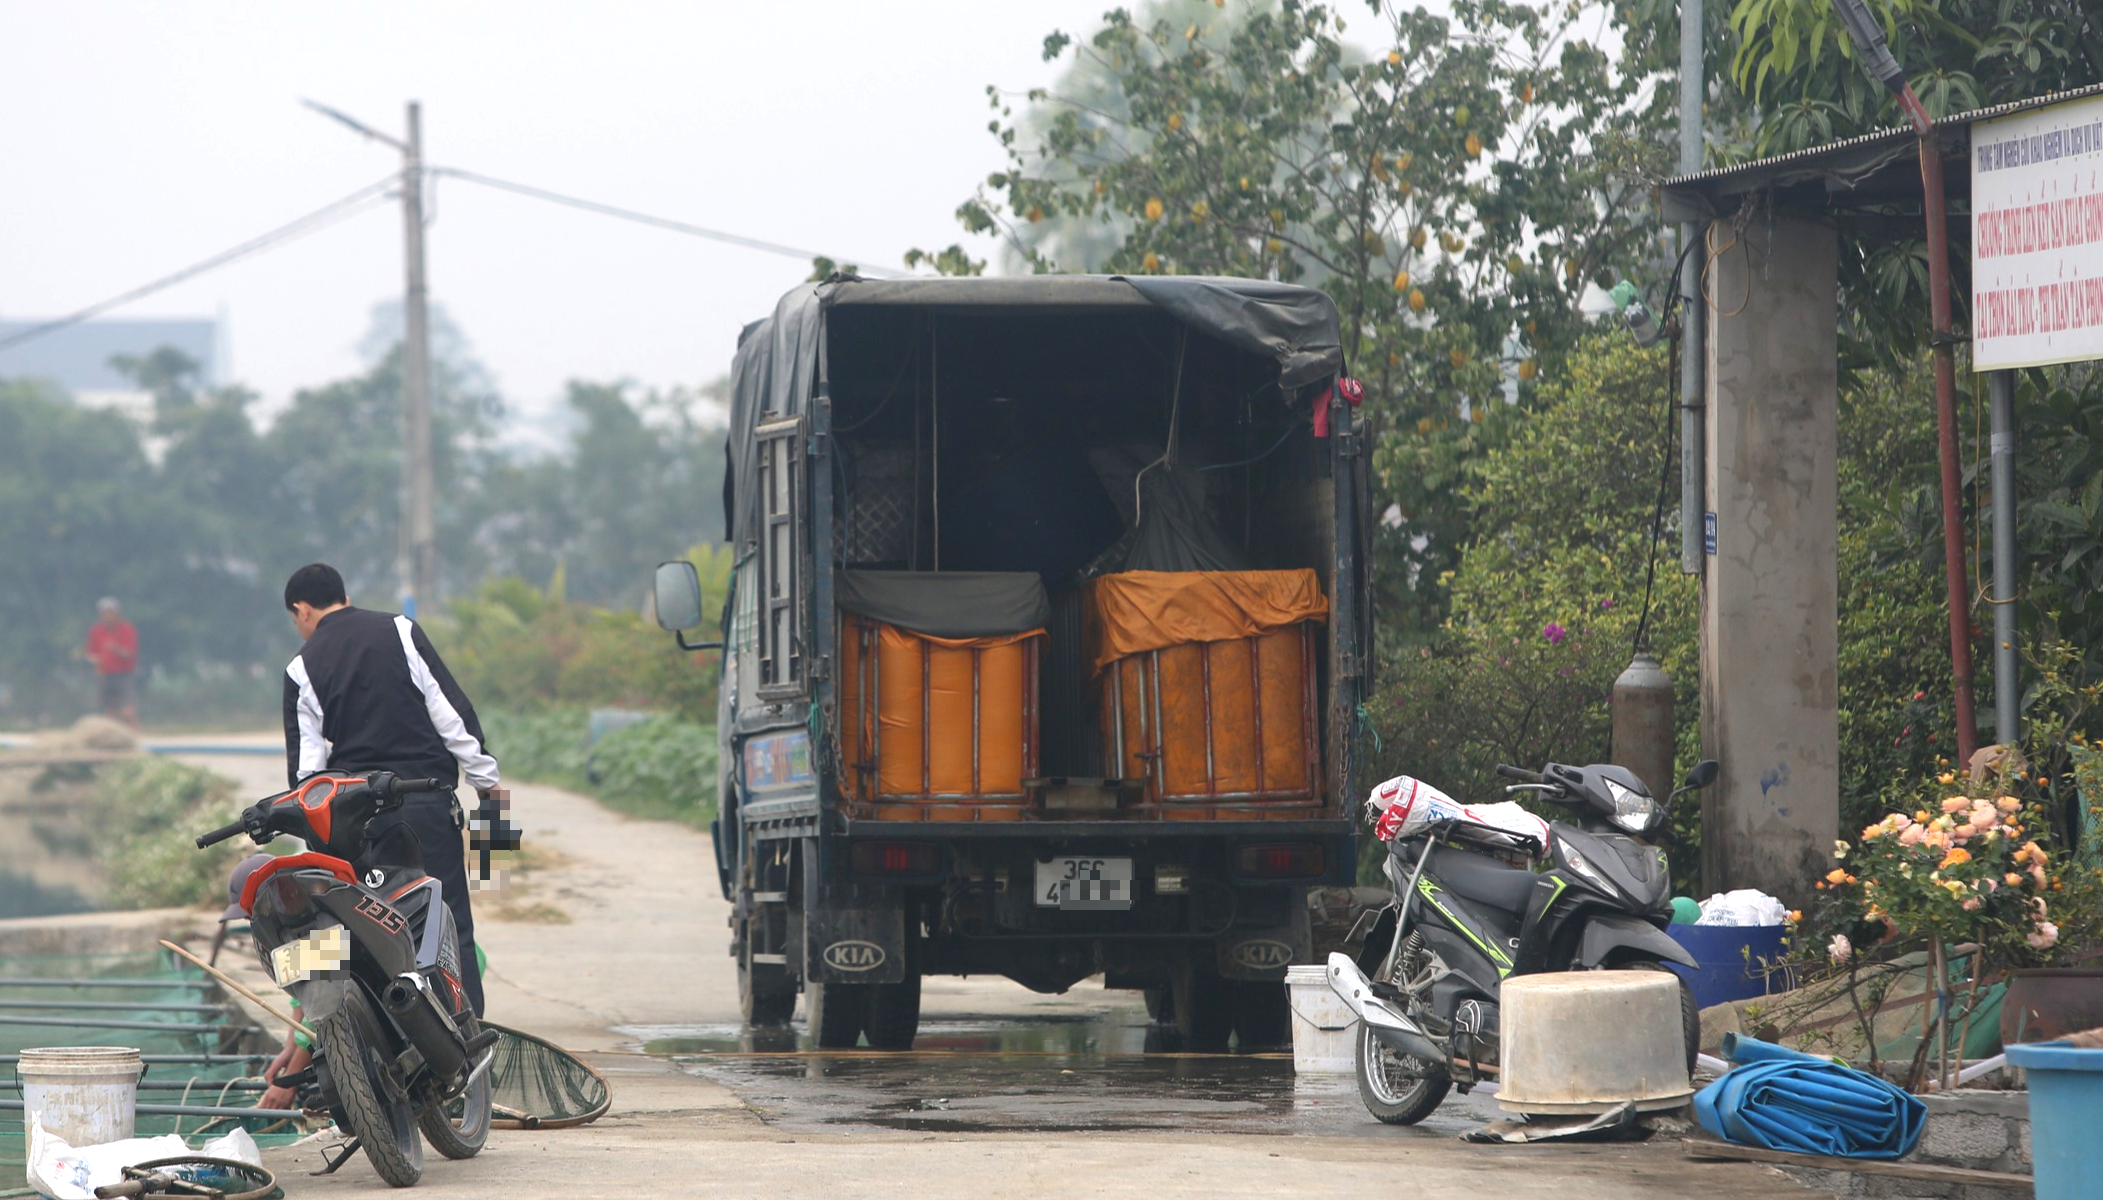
(1175, 417)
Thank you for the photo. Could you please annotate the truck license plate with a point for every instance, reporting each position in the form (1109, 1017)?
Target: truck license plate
(1085, 884)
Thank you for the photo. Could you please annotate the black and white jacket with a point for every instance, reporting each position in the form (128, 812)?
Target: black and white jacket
(368, 693)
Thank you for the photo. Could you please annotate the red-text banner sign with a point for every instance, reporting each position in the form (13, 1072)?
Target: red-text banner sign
(2037, 237)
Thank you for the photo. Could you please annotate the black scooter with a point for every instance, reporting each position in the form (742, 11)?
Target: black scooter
(361, 937)
(1471, 910)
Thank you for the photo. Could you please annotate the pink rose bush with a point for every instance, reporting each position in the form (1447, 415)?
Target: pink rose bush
(1960, 870)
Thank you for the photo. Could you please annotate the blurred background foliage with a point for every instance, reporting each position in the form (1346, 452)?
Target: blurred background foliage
(194, 519)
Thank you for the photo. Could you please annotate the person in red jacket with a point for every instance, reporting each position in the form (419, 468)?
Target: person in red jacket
(113, 646)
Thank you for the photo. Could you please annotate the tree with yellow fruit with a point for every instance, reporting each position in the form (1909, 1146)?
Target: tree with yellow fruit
(1303, 157)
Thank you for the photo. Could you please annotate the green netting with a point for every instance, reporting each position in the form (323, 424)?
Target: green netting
(137, 998)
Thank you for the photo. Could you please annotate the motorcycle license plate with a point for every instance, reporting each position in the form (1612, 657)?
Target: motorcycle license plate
(1085, 883)
(317, 953)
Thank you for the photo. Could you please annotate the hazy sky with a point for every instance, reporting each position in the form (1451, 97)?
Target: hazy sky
(139, 137)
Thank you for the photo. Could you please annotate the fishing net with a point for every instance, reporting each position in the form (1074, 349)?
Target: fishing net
(535, 1084)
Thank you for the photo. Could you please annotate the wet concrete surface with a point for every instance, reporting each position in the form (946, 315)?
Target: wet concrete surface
(1106, 1072)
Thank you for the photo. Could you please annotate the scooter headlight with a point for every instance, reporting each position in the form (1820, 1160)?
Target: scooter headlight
(1634, 812)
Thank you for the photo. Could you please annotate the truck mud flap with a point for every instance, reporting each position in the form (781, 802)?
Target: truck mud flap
(1263, 952)
(852, 932)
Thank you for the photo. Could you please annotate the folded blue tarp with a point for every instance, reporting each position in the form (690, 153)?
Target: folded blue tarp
(1786, 1100)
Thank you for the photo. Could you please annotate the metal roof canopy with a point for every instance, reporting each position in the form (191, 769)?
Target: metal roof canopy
(1858, 174)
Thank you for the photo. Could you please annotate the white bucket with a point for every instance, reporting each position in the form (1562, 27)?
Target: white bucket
(1324, 1029)
(85, 1095)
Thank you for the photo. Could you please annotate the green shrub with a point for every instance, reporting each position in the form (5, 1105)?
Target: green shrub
(146, 813)
(663, 767)
(517, 647)
(1546, 600)
(660, 767)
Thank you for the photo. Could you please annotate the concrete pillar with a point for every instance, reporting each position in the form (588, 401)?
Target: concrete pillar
(1769, 640)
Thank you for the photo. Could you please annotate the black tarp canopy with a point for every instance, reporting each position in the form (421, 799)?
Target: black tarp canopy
(776, 369)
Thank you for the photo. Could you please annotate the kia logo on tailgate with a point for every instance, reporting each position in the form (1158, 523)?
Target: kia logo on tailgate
(1262, 954)
(854, 956)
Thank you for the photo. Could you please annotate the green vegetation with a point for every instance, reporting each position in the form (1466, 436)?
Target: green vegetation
(662, 767)
(197, 537)
(1456, 191)
(143, 815)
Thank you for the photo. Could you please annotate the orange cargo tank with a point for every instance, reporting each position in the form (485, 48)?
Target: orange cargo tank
(1207, 686)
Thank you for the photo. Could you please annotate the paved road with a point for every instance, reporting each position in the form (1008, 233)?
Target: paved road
(613, 943)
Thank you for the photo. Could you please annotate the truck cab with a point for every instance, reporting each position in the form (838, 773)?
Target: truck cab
(1044, 645)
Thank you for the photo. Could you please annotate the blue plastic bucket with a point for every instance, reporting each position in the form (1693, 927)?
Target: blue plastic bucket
(1738, 962)
(2066, 1111)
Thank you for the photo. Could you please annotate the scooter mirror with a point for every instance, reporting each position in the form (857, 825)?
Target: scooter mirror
(1703, 774)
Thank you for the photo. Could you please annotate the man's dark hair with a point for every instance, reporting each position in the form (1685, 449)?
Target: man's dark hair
(318, 584)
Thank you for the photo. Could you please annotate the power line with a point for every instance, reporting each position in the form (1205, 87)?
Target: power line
(321, 218)
(660, 222)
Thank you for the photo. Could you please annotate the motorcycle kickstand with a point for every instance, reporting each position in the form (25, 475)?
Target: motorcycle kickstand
(349, 1148)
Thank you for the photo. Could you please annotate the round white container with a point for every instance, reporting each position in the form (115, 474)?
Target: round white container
(85, 1095)
(1589, 1041)
(1324, 1029)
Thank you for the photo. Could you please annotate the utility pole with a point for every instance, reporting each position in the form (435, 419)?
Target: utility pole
(1693, 348)
(416, 550)
(420, 550)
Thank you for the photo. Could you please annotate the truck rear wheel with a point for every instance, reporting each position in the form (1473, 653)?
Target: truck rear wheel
(1161, 1005)
(836, 1013)
(894, 1013)
(1204, 1009)
(766, 994)
(1262, 1014)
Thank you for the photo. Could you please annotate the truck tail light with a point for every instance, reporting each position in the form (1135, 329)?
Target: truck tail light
(1280, 860)
(897, 858)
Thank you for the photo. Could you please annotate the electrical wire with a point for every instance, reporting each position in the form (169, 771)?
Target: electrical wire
(321, 218)
(1289, 431)
(629, 214)
(1657, 512)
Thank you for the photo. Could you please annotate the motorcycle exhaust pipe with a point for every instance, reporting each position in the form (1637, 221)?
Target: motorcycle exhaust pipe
(414, 1007)
(1382, 1019)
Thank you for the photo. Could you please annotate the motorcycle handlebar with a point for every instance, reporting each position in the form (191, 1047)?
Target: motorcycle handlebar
(219, 835)
(388, 786)
(1523, 776)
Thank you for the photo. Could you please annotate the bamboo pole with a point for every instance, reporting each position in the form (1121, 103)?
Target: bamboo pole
(228, 980)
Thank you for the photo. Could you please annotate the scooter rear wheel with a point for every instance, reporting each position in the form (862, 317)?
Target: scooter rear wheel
(384, 1126)
(1398, 1089)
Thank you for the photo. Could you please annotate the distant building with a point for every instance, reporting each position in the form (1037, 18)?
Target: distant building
(77, 358)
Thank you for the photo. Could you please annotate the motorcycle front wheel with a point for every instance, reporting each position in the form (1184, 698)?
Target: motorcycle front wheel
(1397, 1088)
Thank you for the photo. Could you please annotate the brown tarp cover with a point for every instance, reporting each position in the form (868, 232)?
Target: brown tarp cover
(1135, 611)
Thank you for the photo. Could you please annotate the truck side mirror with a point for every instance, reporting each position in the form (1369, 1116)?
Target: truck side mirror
(677, 595)
(1703, 774)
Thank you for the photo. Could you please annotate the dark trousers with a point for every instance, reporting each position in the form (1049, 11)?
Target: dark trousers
(435, 819)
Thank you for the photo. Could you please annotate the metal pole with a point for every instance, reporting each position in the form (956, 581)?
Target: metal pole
(1693, 355)
(1875, 57)
(419, 560)
(1946, 443)
(2007, 688)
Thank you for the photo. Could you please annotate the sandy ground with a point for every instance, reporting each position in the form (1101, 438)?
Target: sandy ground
(617, 924)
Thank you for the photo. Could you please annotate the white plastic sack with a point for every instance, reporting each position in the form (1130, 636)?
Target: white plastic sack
(65, 1172)
(1406, 806)
(1744, 907)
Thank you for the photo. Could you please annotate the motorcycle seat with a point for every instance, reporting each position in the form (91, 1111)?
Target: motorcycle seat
(1483, 880)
